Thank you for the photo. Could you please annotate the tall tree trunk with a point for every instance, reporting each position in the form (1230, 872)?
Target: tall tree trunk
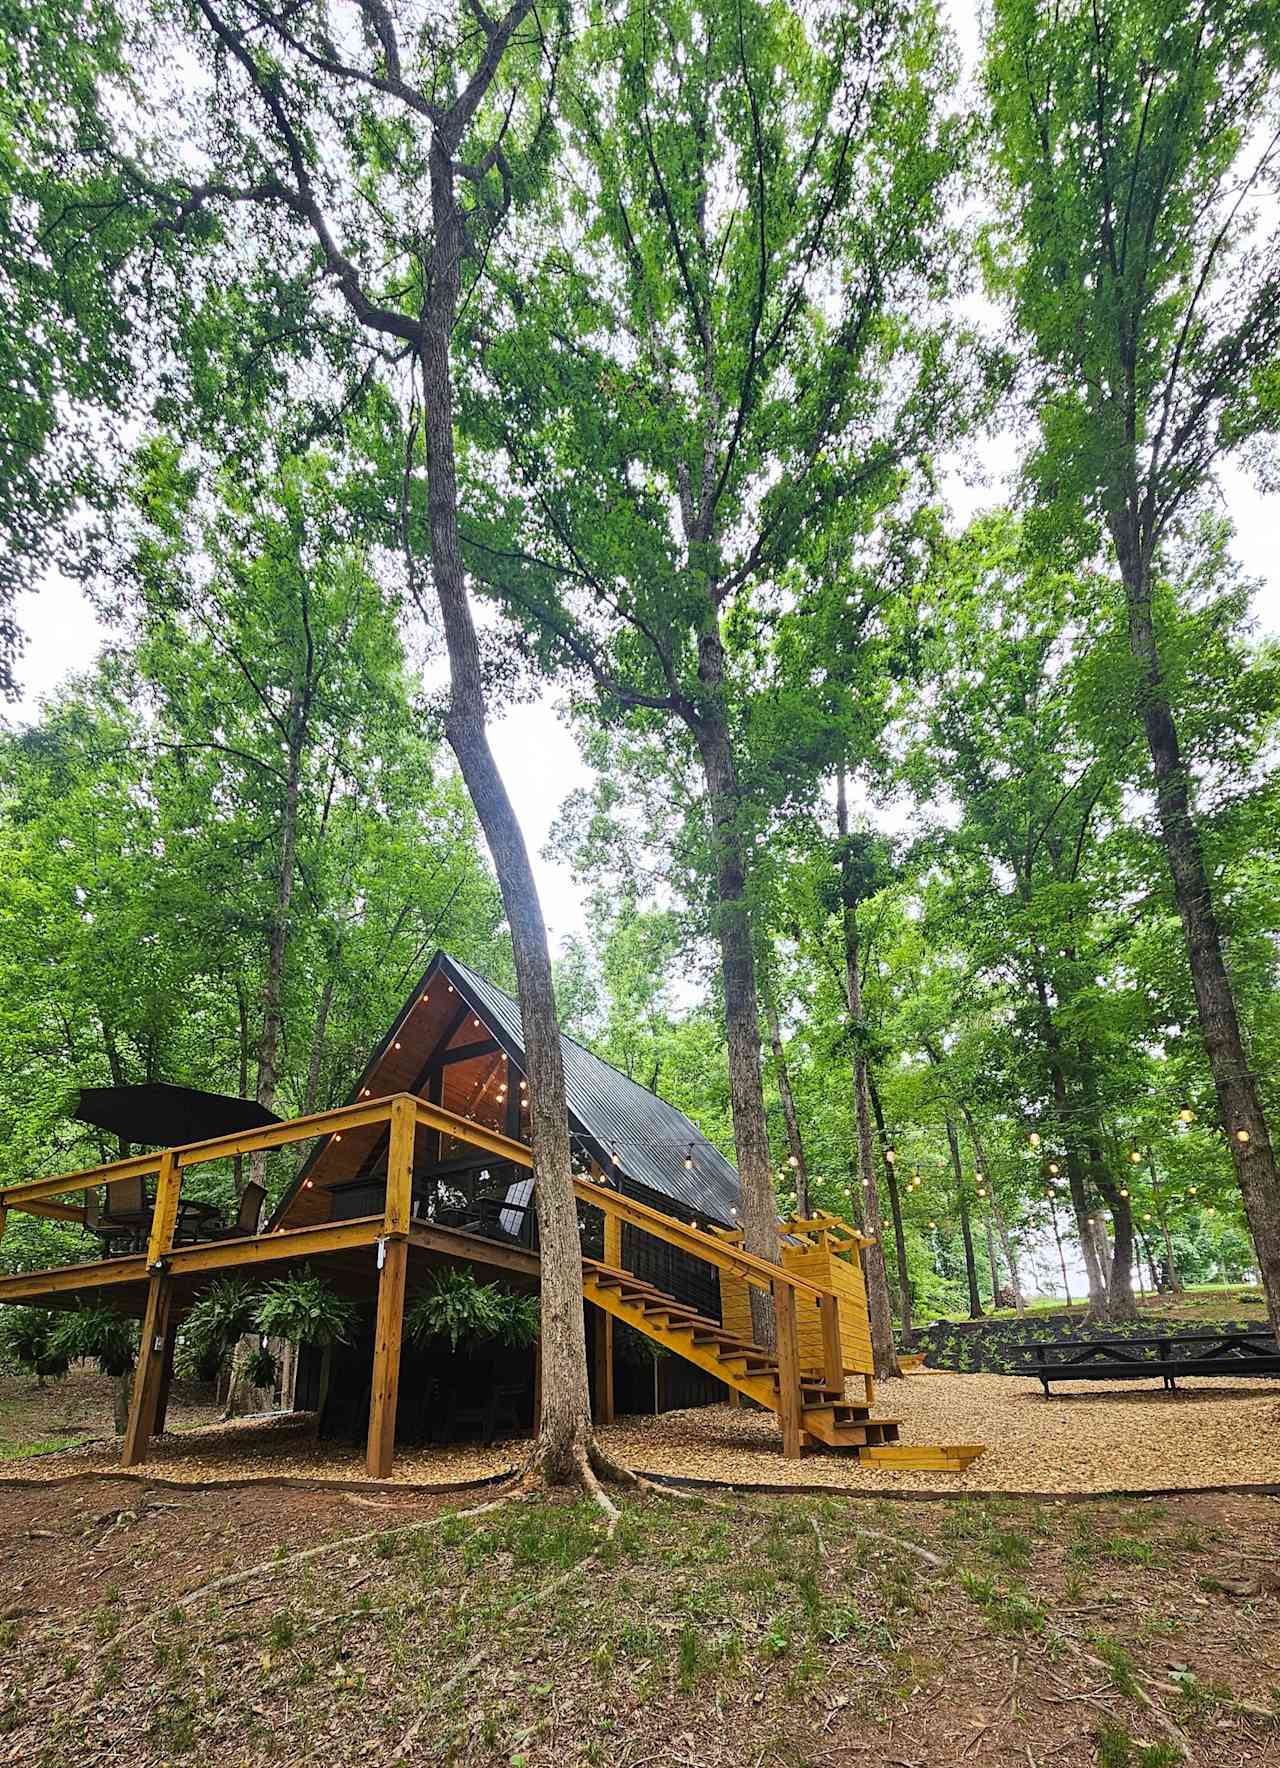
(1173, 1277)
(795, 1142)
(1095, 1272)
(992, 1265)
(966, 1232)
(242, 1016)
(315, 1062)
(738, 978)
(1062, 1257)
(241, 1396)
(895, 1210)
(1120, 1301)
(876, 1276)
(566, 1449)
(1002, 1226)
(1239, 1101)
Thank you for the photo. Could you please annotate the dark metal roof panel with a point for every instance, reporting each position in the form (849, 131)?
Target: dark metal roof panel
(651, 1136)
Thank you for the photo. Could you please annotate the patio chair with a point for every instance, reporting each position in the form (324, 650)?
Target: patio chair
(248, 1216)
(116, 1237)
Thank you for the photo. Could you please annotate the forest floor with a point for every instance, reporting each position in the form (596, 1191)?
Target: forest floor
(1102, 1437)
(741, 1632)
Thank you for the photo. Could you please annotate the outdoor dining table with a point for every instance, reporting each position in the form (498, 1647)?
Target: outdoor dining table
(193, 1216)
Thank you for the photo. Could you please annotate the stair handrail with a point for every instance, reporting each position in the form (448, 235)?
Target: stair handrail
(700, 1244)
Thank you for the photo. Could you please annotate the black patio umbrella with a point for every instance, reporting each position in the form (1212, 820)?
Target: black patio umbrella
(160, 1115)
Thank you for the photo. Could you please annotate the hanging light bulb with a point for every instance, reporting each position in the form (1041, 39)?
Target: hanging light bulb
(978, 1176)
(688, 1159)
(1034, 1139)
(1054, 1167)
(933, 1224)
(793, 1160)
(1242, 1135)
(1186, 1115)
(1135, 1157)
(1191, 1190)
(615, 1156)
(1146, 1218)
(890, 1155)
(982, 1190)
(1123, 1192)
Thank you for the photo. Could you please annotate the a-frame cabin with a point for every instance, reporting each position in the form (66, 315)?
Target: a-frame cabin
(428, 1165)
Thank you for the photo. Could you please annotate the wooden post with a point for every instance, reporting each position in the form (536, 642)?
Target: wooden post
(394, 1251)
(164, 1213)
(147, 1377)
(603, 1345)
(612, 1241)
(166, 1376)
(3, 1216)
(832, 1348)
(788, 1350)
(404, 1127)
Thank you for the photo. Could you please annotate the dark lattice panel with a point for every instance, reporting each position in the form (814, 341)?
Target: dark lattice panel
(689, 1279)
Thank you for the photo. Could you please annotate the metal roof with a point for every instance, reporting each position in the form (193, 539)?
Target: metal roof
(652, 1138)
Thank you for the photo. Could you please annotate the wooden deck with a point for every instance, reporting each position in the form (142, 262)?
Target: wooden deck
(380, 1257)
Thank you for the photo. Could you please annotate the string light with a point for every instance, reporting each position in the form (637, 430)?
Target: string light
(338, 1137)
(933, 1224)
(1146, 1218)
(978, 1176)
(1034, 1139)
(1135, 1157)
(1054, 1167)
(1191, 1190)
(1123, 1192)
(1186, 1115)
(890, 1155)
(793, 1160)
(1242, 1135)
(395, 1046)
(688, 1159)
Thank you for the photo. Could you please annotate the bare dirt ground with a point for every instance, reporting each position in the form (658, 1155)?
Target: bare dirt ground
(35, 1419)
(771, 1633)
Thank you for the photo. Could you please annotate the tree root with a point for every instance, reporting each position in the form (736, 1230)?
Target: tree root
(442, 1693)
(229, 1580)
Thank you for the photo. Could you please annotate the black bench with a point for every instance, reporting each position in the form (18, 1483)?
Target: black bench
(1166, 1356)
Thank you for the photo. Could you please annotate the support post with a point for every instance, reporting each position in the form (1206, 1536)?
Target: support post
(381, 1447)
(603, 1345)
(164, 1212)
(166, 1376)
(832, 1348)
(147, 1377)
(3, 1217)
(788, 1353)
(394, 1252)
(612, 1241)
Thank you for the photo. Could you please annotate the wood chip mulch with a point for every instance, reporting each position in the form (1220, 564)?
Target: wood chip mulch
(1115, 1436)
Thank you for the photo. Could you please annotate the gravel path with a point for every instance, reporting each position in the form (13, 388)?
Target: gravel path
(1115, 1436)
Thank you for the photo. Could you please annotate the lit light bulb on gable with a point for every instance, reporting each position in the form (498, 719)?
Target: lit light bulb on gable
(1034, 1139)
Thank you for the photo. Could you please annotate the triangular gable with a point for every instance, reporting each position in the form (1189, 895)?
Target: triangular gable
(458, 1041)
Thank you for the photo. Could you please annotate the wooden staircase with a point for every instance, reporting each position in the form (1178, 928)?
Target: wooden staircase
(825, 1415)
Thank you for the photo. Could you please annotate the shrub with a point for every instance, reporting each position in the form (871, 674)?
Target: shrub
(100, 1333)
(24, 1336)
(305, 1310)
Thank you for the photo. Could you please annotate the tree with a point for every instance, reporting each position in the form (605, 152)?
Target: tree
(722, 360)
(365, 138)
(1137, 142)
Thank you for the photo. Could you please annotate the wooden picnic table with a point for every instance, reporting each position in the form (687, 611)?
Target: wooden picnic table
(1113, 1359)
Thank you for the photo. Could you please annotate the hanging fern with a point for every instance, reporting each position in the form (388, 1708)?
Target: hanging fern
(24, 1336)
(305, 1310)
(224, 1313)
(261, 1368)
(459, 1308)
(100, 1333)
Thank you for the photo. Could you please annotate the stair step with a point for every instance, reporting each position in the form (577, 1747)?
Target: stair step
(939, 1457)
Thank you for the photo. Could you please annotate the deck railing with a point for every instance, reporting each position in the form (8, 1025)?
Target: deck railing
(405, 1113)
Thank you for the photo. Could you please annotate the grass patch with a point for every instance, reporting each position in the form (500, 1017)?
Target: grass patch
(1116, 1749)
